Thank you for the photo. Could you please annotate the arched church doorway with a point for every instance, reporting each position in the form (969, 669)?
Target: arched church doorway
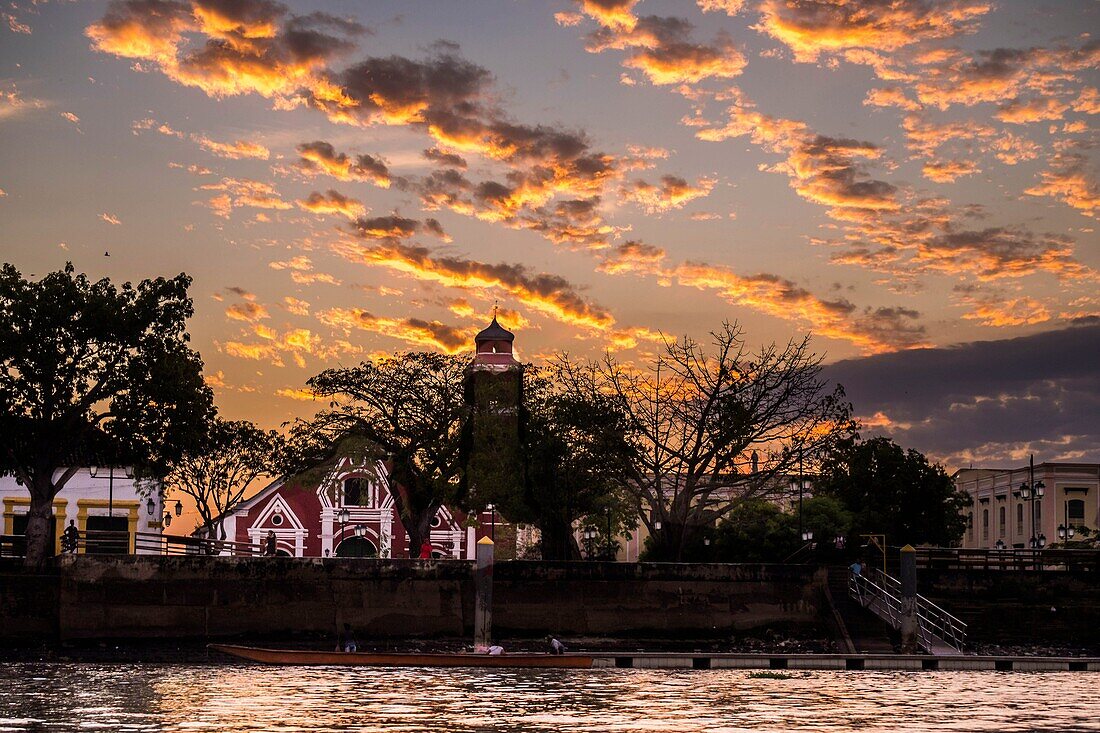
(283, 553)
(356, 547)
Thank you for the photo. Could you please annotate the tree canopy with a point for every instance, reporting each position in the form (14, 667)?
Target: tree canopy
(577, 447)
(895, 492)
(410, 410)
(92, 372)
(216, 472)
(713, 427)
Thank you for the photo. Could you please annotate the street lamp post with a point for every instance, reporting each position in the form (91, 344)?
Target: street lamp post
(93, 471)
(343, 515)
(800, 485)
(1032, 491)
(492, 522)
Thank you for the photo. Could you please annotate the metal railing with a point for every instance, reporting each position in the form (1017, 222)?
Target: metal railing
(881, 594)
(945, 558)
(109, 542)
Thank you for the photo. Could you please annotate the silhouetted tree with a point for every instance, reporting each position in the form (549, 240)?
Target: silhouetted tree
(576, 452)
(409, 410)
(217, 472)
(91, 370)
(895, 492)
(698, 418)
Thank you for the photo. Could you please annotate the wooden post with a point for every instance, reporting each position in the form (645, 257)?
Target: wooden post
(910, 623)
(483, 596)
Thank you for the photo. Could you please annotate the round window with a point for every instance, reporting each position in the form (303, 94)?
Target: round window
(436, 521)
(277, 519)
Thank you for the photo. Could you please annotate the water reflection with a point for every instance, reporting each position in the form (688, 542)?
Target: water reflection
(40, 697)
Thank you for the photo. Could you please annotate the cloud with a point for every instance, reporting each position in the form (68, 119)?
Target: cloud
(243, 192)
(891, 97)
(12, 103)
(729, 7)
(549, 294)
(991, 402)
(672, 192)
(1068, 181)
(301, 271)
(611, 13)
(632, 256)
(296, 393)
(1033, 110)
(444, 158)
(332, 202)
(249, 311)
(227, 49)
(416, 331)
(295, 306)
(997, 312)
(813, 27)
(1001, 252)
(110, 218)
(1000, 75)
(236, 150)
(321, 157)
(663, 50)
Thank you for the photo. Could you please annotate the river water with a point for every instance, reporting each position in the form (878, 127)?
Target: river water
(233, 699)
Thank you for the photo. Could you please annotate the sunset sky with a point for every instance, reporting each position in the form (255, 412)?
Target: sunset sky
(912, 182)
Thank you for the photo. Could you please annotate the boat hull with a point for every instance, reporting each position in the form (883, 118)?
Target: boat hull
(382, 659)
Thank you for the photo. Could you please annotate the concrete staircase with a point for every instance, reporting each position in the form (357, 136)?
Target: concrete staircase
(868, 633)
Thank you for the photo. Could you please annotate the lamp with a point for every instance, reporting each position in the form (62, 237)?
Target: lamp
(360, 530)
(150, 506)
(1000, 544)
(344, 515)
(657, 525)
(807, 535)
(179, 507)
(706, 541)
(167, 519)
(1066, 532)
(93, 471)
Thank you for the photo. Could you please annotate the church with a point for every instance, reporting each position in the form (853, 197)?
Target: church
(350, 511)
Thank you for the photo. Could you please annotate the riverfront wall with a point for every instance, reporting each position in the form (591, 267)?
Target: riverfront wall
(85, 597)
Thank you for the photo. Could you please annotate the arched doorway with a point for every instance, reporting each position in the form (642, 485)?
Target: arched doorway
(356, 547)
(282, 553)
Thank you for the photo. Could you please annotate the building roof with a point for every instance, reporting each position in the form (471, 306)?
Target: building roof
(495, 332)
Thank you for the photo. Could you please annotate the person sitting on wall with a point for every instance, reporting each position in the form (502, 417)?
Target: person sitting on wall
(495, 650)
(556, 647)
(426, 550)
(70, 538)
(345, 641)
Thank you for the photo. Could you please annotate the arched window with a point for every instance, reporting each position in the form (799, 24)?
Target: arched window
(1001, 522)
(356, 492)
(1020, 519)
(985, 524)
(969, 525)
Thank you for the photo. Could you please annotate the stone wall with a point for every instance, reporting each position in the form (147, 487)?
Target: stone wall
(183, 597)
(1019, 606)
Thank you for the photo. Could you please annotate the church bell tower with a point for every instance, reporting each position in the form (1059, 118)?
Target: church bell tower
(493, 440)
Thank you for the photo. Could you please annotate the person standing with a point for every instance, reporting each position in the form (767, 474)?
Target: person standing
(426, 550)
(70, 538)
(270, 544)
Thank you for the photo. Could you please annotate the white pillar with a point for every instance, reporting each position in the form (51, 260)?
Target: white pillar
(471, 546)
(456, 544)
(385, 535)
(327, 519)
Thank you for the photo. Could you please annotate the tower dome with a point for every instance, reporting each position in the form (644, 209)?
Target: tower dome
(493, 346)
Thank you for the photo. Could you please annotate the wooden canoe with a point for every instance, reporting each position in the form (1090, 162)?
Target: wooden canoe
(385, 659)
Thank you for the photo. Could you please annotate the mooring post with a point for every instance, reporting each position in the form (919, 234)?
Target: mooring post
(910, 623)
(483, 596)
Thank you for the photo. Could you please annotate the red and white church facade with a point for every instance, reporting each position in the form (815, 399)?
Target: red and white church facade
(350, 512)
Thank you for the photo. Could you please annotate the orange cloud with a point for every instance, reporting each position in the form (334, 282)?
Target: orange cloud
(235, 150)
(1068, 181)
(1023, 311)
(611, 13)
(110, 218)
(296, 306)
(332, 202)
(418, 332)
(1033, 110)
(249, 311)
(321, 157)
(548, 294)
(672, 192)
(242, 192)
(948, 171)
(688, 63)
(812, 27)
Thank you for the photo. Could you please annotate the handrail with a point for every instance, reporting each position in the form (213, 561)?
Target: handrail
(881, 594)
(1014, 558)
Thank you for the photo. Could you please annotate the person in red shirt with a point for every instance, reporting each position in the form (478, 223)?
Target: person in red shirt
(426, 550)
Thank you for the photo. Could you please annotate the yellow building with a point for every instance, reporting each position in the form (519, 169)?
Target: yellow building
(1014, 506)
